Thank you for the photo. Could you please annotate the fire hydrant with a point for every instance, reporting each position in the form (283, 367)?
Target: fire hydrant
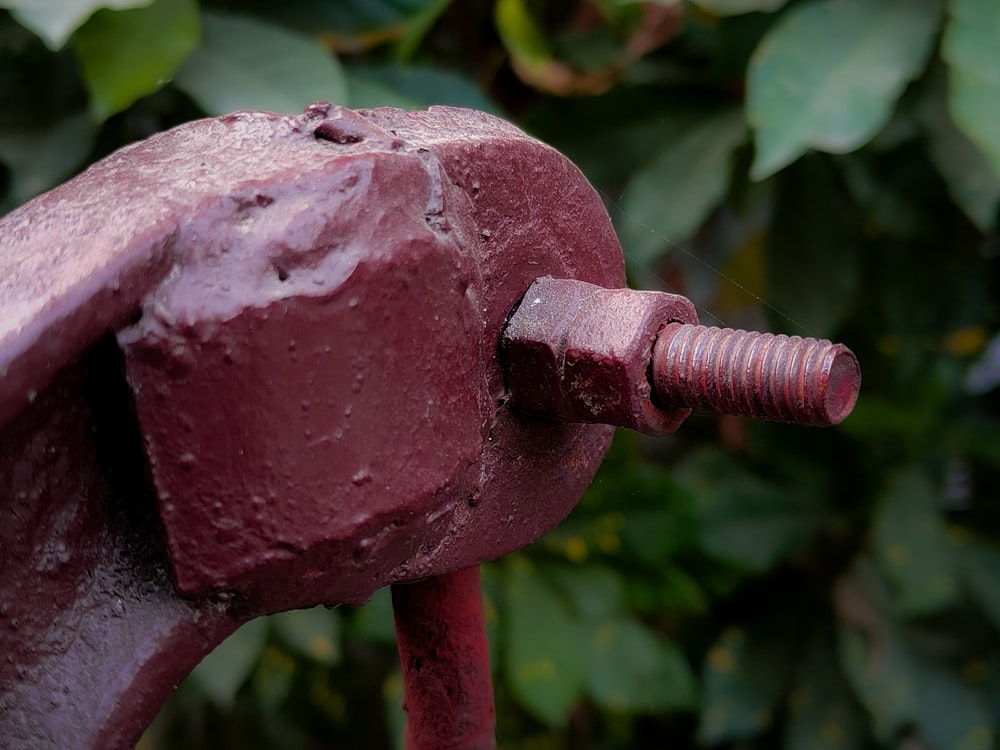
(264, 362)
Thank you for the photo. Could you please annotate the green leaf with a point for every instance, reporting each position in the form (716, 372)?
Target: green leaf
(273, 678)
(546, 649)
(418, 27)
(823, 713)
(911, 546)
(55, 20)
(412, 87)
(743, 519)
(392, 700)
(673, 192)
(631, 669)
(895, 191)
(812, 258)
(879, 674)
(973, 184)
(745, 675)
(828, 75)
(595, 591)
(874, 658)
(969, 46)
(979, 563)
(352, 23)
(127, 54)
(312, 633)
(374, 621)
(492, 582)
(39, 157)
(521, 34)
(682, 593)
(953, 714)
(654, 535)
(221, 674)
(737, 7)
(246, 64)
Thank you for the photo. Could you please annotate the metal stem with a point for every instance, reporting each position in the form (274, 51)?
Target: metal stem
(441, 635)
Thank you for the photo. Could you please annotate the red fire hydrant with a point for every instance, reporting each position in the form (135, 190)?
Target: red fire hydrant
(264, 362)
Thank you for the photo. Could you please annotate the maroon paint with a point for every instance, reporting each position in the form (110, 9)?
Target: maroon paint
(577, 352)
(786, 378)
(92, 634)
(306, 402)
(445, 659)
(310, 310)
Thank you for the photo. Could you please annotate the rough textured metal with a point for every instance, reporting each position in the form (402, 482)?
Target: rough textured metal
(445, 660)
(785, 378)
(93, 635)
(310, 309)
(576, 352)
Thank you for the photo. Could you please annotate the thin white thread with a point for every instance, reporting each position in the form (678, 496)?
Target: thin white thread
(670, 243)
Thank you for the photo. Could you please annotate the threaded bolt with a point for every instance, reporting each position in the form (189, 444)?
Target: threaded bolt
(785, 378)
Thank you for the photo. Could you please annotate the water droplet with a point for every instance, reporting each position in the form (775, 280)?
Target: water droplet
(187, 460)
(362, 476)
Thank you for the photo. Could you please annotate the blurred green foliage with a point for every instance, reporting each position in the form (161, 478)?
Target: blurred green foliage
(818, 167)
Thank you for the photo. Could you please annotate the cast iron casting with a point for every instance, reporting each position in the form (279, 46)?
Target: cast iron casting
(263, 362)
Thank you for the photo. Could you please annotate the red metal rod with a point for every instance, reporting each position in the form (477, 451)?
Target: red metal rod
(786, 378)
(441, 634)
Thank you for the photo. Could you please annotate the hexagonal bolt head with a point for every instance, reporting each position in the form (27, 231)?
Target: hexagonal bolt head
(581, 353)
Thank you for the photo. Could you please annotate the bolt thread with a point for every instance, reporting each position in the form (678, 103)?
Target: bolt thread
(725, 371)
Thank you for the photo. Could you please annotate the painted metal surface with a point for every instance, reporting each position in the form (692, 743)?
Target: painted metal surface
(805, 381)
(577, 352)
(581, 353)
(444, 655)
(251, 364)
(264, 362)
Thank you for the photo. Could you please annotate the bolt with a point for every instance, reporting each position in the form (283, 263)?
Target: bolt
(785, 378)
(581, 353)
(578, 352)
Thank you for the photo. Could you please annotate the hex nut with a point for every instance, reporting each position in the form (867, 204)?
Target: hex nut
(578, 352)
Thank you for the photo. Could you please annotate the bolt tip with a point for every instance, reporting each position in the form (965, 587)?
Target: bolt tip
(843, 382)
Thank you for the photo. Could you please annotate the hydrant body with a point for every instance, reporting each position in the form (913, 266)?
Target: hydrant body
(264, 362)
(305, 395)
